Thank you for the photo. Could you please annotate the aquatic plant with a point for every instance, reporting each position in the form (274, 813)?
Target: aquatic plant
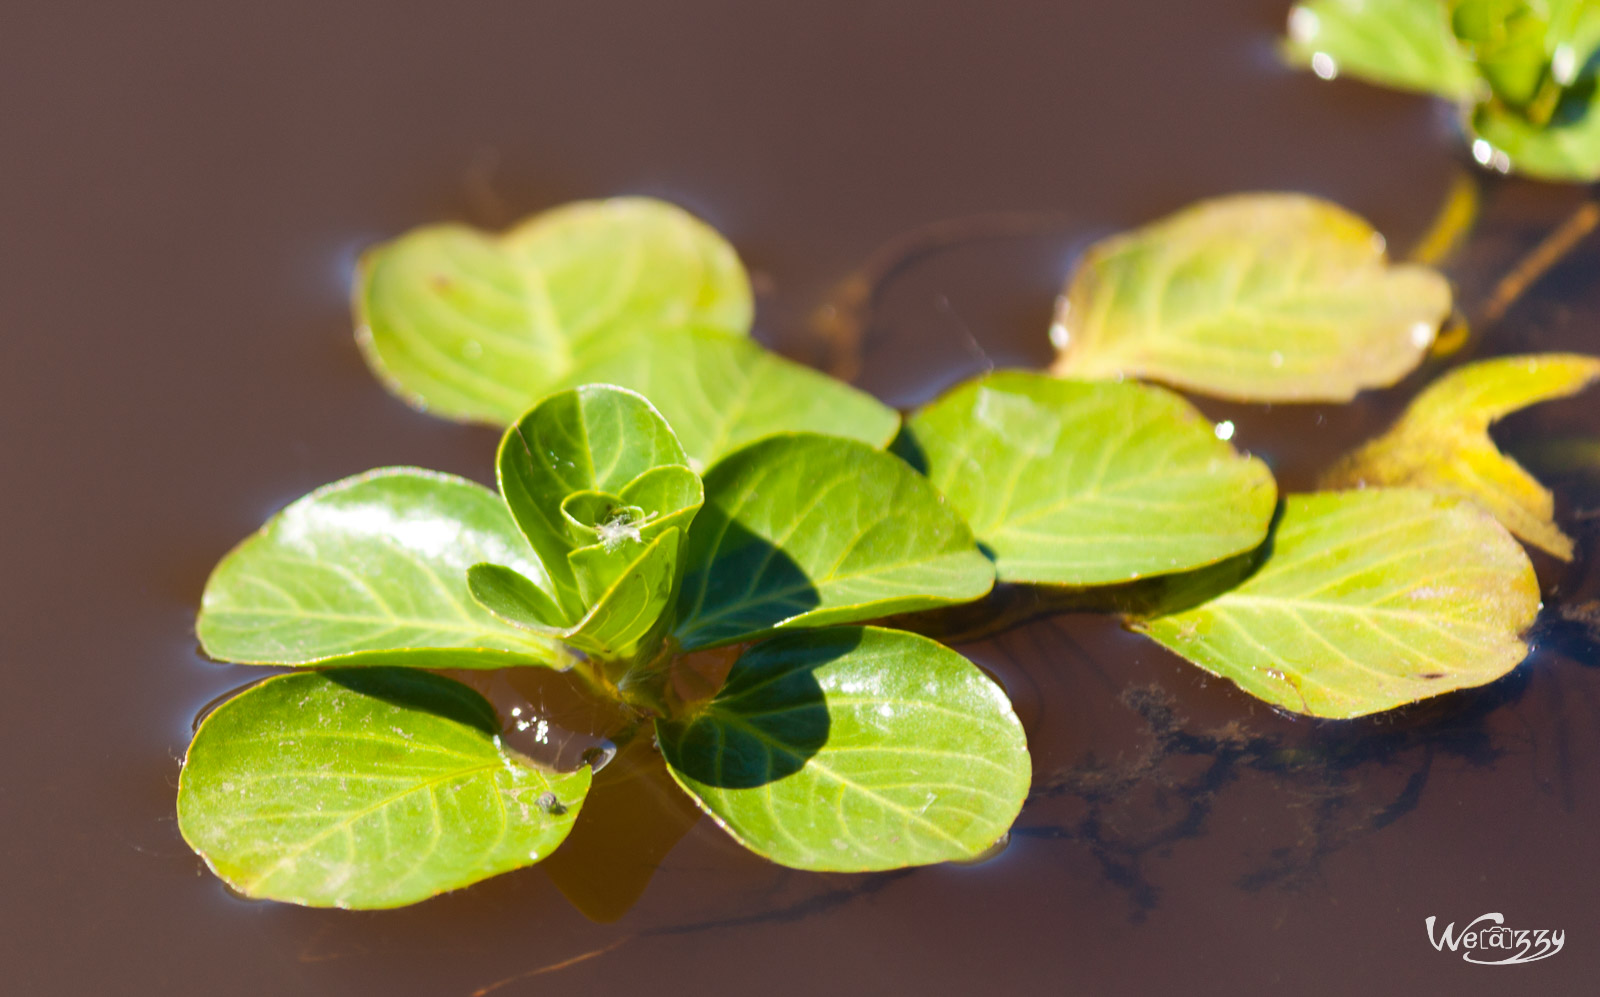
(669, 488)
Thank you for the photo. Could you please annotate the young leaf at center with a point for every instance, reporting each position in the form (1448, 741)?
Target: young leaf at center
(853, 749)
(1442, 442)
(593, 475)
(365, 788)
(801, 530)
(1360, 602)
(1090, 483)
(1255, 297)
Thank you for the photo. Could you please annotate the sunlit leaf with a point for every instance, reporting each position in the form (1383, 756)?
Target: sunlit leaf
(1442, 441)
(720, 393)
(615, 265)
(1364, 601)
(587, 467)
(365, 788)
(368, 569)
(854, 749)
(807, 530)
(1090, 482)
(1407, 44)
(1267, 297)
(478, 327)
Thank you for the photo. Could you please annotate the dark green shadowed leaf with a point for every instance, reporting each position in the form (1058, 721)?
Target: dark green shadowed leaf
(1442, 442)
(478, 327)
(853, 749)
(367, 788)
(619, 617)
(1365, 601)
(595, 441)
(1399, 43)
(1256, 297)
(368, 570)
(720, 393)
(806, 530)
(1090, 483)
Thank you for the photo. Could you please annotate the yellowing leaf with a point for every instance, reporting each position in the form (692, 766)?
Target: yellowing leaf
(1442, 442)
(1361, 601)
(1257, 297)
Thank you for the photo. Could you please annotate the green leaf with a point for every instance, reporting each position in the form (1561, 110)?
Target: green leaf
(1364, 601)
(1507, 39)
(854, 749)
(720, 393)
(476, 327)
(619, 618)
(1566, 149)
(801, 530)
(613, 266)
(1257, 297)
(1442, 442)
(596, 451)
(1406, 44)
(367, 571)
(1089, 483)
(365, 788)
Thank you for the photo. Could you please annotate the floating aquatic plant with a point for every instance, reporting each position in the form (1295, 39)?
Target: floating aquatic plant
(667, 488)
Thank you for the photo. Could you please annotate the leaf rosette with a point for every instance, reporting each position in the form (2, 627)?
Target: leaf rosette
(606, 553)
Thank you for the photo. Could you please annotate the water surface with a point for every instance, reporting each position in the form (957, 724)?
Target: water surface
(183, 188)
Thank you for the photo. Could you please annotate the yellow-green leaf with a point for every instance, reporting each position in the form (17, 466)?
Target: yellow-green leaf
(1360, 602)
(478, 327)
(1090, 482)
(365, 788)
(1442, 441)
(1257, 297)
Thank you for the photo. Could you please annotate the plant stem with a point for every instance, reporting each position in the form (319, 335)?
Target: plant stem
(1550, 251)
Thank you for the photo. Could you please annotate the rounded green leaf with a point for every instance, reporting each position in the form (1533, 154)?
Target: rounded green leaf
(365, 788)
(1256, 297)
(720, 393)
(808, 530)
(1442, 443)
(1090, 482)
(368, 571)
(1406, 44)
(615, 265)
(1364, 601)
(854, 749)
(594, 439)
(478, 327)
(455, 326)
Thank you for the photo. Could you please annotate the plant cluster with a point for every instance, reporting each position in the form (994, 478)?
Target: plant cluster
(669, 488)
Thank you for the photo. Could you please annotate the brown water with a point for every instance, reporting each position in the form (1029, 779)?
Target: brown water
(182, 190)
